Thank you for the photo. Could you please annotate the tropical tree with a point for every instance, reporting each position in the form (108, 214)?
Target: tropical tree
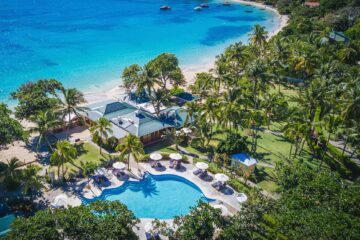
(63, 153)
(173, 136)
(130, 146)
(203, 84)
(35, 97)
(112, 221)
(191, 108)
(87, 169)
(258, 35)
(45, 121)
(101, 130)
(275, 106)
(130, 77)
(200, 223)
(30, 180)
(159, 98)
(70, 104)
(11, 173)
(165, 68)
(10, 129)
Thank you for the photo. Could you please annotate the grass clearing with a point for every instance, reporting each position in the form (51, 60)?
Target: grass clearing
(87, 152)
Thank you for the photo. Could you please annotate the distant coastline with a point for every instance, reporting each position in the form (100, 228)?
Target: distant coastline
(189, 71)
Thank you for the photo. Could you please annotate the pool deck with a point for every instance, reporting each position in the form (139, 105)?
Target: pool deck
(228, 199)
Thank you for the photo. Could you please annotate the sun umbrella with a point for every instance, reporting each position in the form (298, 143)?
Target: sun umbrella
(155, 156)
(187, 130)
(175, 156)
(224, 210)
(60, 201)
(221, 177)
(202, 165)
(242, 198)
(119, 165)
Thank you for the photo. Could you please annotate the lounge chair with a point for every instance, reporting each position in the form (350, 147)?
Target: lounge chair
(197, 172)
(172, 164)
(219, 185)
(203, 174)
(216, 184)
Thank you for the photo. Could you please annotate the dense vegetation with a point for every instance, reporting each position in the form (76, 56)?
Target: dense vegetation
(243, 97)
(99, 220)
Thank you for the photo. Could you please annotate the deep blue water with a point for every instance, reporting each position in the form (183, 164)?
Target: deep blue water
(86, 44)
(162, 196)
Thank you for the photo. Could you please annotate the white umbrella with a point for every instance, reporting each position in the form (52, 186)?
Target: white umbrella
(187, 130)
(242, 198)
(155, 156)
(60, 201)
(148, 227)
(224, 210)
(221, 177)
(202, 165)
(119, 165)
(175, 156)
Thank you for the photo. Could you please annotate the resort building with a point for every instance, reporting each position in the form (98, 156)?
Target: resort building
(127, 117)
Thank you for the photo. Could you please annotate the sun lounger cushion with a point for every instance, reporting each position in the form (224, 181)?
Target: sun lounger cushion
(198, 171)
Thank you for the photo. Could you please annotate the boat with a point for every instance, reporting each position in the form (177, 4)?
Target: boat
(226, 3)
(198, 8)
(165, 7)
(249, 11)
(204, 5)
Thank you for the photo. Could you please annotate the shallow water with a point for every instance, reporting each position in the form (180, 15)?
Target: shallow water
(86, 44)
(162, 197)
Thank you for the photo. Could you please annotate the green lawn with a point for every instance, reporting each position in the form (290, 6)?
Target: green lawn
(87, 152)
(161, 146)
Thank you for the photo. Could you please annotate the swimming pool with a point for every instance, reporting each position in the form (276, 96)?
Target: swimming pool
(156, 196)
(86, 44)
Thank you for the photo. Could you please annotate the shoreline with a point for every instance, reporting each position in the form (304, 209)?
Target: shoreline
(189, 71)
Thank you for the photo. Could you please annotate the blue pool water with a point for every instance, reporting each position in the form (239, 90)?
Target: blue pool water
(86, 44)
(157, 196)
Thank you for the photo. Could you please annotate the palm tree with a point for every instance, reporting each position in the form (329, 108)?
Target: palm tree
(258, 35)
(203, 84)
(11, 172)
(159, 98)
(45, 121)
(256, 73)
(63, 153)
(70, 104)
(87, 169)
(191, 108)
(230, 109)
(172, 136)
(101, 130)
(31, 181)
(131, 145)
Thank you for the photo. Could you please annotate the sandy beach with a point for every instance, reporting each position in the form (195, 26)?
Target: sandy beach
(189, 71)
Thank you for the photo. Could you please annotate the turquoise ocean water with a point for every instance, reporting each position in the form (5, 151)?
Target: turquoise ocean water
(86, 44)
